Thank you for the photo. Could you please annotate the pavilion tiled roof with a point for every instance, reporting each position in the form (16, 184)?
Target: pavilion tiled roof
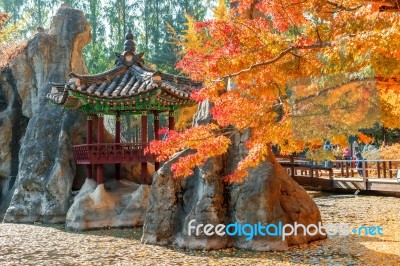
(129, 81)
(124, 82)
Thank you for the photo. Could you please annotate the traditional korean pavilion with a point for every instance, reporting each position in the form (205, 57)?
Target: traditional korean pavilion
(129, 88)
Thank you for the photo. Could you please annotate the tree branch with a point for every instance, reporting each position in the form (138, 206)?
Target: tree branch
(343, 8)
(275, 59)
(326, 90)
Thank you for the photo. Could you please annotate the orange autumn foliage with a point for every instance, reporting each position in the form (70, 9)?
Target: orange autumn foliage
(290, 73)
(364, 138)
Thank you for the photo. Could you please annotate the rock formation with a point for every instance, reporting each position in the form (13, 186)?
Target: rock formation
(43, 162)
(268, 196)
(115, 204)
(37, 168)
(13, 121)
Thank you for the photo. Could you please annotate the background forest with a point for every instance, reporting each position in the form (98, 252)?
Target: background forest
(156, 24)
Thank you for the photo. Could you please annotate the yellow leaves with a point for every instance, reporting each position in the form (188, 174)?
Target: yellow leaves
(192, 38)
(389, 94)
(336, 105)
(221, 12)
(304, 90)
(10, 42)
(10, 31)
(390, 152)
(356, 105)
(185, 116)
(384, 153)
(320, 155)
(341, 140)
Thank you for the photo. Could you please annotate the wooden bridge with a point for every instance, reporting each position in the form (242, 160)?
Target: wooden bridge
(378, 175)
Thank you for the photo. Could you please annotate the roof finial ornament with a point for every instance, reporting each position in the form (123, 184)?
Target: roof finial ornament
(129, 43)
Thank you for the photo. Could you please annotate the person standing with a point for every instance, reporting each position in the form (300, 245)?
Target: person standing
(346, 153)
(359, 166)
(355, 147)
(328, 147)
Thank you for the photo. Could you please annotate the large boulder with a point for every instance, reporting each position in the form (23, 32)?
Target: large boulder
(267, 196)
(45, 166)
(175, 202)
(115, 204)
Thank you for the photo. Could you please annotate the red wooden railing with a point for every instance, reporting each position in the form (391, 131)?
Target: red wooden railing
(111, 153)
(300, 166)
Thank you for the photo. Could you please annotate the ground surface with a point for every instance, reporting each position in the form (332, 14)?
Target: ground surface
(51, 245)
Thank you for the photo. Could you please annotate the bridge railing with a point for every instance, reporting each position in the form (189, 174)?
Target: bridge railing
(300, 166)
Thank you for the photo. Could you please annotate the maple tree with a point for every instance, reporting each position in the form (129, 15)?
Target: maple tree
(294, 73)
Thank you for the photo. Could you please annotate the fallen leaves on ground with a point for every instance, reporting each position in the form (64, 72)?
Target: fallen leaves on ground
(23, 244)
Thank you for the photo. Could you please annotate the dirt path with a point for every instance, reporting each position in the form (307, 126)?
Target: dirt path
(51, 245)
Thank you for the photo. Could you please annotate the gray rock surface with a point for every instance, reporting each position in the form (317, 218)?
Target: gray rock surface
(268, 195)
(12, 127)
(45, 165)
(115, 204)
(175, 202)
(203, 114)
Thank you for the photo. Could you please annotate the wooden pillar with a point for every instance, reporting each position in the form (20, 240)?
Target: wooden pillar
(156, 135)
(379, 169)
(171, 120)
(89, 140)
(384, 169)
(100, 139)
(143, 166)
(341, 168)
(118, 140)
(291, 166)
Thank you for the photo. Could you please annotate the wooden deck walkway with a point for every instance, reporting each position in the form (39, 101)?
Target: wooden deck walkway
(378, 175)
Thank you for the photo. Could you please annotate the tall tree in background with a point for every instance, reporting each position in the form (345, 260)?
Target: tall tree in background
(97, 55)
(290, 73)
(156, 25)
(94, 22)
(163, 22)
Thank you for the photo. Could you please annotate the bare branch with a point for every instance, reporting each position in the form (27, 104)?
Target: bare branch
(343, 8)
(275, 59)
(325, 91)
